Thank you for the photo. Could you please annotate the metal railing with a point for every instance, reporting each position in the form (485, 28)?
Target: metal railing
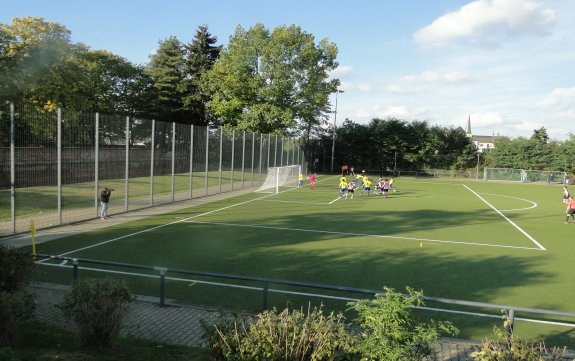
(510, 312)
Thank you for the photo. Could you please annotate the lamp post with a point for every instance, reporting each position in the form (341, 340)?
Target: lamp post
(334, 127)
(477, 172)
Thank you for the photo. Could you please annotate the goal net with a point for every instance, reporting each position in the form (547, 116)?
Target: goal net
(280, 177)
(522, 175)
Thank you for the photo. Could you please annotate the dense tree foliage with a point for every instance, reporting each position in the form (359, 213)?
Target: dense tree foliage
(397, 144)
(272, 82)
(536, 153)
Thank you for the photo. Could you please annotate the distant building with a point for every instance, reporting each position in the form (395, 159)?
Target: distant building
(482, 142)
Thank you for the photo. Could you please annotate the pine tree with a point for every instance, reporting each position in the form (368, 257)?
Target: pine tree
(167, 69)
(201, 54)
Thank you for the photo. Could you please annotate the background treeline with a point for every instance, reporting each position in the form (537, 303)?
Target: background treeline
(398, 144)
(269, 81)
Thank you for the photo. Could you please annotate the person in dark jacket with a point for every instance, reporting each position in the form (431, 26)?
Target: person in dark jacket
(105, 202)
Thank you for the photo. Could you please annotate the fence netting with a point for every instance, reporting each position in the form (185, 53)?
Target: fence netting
(54, 164)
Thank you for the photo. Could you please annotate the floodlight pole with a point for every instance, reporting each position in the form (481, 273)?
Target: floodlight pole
(477, 172)
(334, 128)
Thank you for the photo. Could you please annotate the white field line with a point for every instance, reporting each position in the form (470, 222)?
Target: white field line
(507, 219)
(301, 202)
(335, 200)
(533, 204)
(162, 225)
(363, 235)
(171, 223)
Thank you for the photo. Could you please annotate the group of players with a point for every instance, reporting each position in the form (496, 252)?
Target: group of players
(347, 189)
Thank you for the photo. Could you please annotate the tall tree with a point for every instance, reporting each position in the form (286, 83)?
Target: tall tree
(166, 67)
(272, 81)
(201, 54)
(33, 55)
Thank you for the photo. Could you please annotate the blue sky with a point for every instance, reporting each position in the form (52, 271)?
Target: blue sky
(508, 64)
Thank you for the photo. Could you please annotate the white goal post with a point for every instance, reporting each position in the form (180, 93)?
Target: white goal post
(280, 176)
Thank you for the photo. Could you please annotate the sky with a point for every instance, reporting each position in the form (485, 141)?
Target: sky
(507, 65)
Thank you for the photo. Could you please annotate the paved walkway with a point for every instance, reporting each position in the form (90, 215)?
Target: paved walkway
(178, 324)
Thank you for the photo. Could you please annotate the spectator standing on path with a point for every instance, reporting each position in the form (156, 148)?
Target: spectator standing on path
(570, 210)
(105, 202)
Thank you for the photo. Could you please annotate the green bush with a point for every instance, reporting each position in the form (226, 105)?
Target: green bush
(515, 349)
(287, 335)
(98, 307)
(14, 306)
(389, 330)
(16, 267)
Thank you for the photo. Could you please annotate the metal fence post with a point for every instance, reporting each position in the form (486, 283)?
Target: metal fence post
(253, 155)
(173, 177)
(59, 166)
(96, 162)
(163, 271)
(75, 269)
(191, 160)
(127, 165)
(243, 156)
(265, 296)
(12, 168)
(206, 180)
(510, 321)
(233, 157)
(220, 162)
(152, 149)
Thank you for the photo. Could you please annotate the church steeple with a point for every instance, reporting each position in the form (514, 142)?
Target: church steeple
(468, 128)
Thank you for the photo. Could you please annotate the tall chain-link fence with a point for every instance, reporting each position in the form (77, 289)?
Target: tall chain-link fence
(54, 165)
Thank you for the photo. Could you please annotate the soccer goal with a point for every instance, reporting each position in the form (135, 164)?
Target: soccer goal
(523, 175)
(280, 176)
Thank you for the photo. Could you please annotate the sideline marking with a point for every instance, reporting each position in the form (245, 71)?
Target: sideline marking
(174, 222)
(507, 219)
(363, 235)
(335, 200)
(533, 204)
(161, 226)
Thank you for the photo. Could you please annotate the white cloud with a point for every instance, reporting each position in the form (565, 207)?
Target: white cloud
(341, 70)
(561, 98)
(397, 89)
(485, 119)
(434, 76)
(526, 126)
(484, 21)
(364, 87)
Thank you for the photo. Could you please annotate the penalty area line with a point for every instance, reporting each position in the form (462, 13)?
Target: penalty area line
(507, 219)
(363, 235)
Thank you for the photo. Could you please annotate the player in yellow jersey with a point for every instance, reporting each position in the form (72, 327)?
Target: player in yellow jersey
(366, 186)
(342, 186)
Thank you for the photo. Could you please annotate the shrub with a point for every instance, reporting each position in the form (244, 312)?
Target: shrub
(287, 335)
(16, 267)
(98, 307)
(389, 330)
(14, 306)
(515, 349)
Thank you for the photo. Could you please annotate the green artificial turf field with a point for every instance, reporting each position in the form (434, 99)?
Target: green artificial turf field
(499, 243)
